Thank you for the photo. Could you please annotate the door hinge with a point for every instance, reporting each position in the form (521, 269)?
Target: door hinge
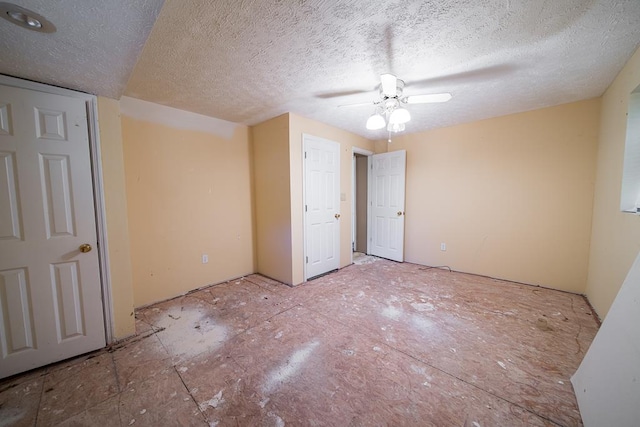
(305, 208)
(307, 260)
(305, 154)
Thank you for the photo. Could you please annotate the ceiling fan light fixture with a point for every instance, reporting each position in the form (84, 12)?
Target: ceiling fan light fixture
(399, 116)
(395, 127)
(375, 122)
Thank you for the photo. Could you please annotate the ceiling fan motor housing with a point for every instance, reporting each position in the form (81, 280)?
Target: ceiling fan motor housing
(398, 95)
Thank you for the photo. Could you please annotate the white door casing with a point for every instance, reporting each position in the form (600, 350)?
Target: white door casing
(50, 292)
(354, 210)
(387, 183)
(322, 205)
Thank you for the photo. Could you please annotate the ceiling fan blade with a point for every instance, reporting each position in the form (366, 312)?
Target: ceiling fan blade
(389, 84)
(427, 99)
(329, 95)
(464, 77)
(357, 104)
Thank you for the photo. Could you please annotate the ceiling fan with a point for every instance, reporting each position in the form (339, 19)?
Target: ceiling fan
(391, 108)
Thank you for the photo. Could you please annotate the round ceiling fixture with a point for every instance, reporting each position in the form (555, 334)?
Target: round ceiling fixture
(25, 18)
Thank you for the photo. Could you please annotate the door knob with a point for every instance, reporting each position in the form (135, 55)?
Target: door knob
(337, 216)
(400, 213)
(85, 248)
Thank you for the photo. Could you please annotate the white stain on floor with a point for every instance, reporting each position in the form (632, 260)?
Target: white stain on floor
(421, 370)
(423, 306)
(421, 323)
(502, 365)
(214, 402)
(290, 368)
(391, 312)
(188, 331)
(278, 422)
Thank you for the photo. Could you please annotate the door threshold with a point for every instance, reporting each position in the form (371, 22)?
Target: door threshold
(321, 275)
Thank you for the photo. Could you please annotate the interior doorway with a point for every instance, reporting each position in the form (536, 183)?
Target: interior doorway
(360, 196)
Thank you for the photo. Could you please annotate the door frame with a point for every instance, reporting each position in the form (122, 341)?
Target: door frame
(367, 153)
(91, 102)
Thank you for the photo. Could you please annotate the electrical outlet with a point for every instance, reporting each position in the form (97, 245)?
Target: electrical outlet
(443, 246)
(205, 258)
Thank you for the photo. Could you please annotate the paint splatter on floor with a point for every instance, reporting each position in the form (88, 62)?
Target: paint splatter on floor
(289, 369)
(377, 343)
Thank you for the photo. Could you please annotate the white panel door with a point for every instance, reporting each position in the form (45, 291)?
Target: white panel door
(387, 204)
(50, 292)
(322, 205)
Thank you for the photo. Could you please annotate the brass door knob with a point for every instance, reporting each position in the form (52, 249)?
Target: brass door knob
(85, 248)
(337, 216)
(400, 213)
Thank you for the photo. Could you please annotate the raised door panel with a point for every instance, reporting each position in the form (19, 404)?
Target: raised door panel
(67, 294)
(10, 216)
(56, 194)
(5, 119)
(16, 310)
(50, 124)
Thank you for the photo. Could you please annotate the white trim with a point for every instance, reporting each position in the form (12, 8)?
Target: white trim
(369, 198)
(91, 102)
(101, 219)
(176, 118)
(630, 188)
(354, 231)
(41, 87)
(358, 150)
(304, 213)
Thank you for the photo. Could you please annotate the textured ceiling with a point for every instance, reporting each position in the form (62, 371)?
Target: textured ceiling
(247, 61)
(94, 48)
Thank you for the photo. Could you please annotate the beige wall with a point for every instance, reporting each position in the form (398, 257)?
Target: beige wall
(272, 195)
(615, 240)
(188, 194)
(510, 196)
(113, 178)
(298, 126)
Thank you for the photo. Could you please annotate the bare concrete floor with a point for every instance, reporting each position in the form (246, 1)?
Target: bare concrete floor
(374, 344)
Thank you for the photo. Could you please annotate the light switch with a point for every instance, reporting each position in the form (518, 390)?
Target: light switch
(343, 197)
